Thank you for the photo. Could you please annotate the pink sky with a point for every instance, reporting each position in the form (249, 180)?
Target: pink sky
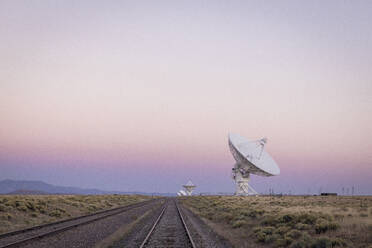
(141, 96)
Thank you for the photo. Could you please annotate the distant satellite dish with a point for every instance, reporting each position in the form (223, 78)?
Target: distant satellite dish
(251, 158)
(189, 186)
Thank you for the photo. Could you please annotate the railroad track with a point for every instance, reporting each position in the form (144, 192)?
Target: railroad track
(20, 237)
(169, 229)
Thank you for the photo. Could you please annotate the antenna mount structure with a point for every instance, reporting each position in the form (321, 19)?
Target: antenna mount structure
(241, 178)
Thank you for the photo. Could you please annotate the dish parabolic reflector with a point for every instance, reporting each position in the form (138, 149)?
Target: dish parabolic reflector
(251, 158)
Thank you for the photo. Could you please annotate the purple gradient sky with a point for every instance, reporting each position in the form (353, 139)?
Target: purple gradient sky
(140, 95)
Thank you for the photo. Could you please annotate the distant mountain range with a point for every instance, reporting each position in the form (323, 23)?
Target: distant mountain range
(27, 192)
(38, 187)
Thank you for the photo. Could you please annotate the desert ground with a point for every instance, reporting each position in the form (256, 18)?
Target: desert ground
(22, 211)
(288, 221)
(262, 221)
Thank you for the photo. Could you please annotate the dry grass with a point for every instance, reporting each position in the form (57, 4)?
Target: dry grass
(18, 212)
(289, 221)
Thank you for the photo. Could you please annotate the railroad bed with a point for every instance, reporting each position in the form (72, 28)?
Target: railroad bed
(169, 230)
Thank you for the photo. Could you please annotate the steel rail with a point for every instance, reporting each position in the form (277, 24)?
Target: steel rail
(185, 226)
(110, 212)
(157, 221)
(153, 228)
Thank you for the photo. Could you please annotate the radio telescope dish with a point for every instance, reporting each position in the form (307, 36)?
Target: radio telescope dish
(251, 158)
(189, 187)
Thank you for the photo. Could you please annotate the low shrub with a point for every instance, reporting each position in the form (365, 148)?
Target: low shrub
(8, 216)
(225, 217)
(282, 229)
(294, 234)
(256, 213)
(269, 220)
(338, 242)
(268, 229)
(2, 208)
(55, 213)
(92, 208)
(286, 218)
(339, 216)
(326, 242)
(22, 208)
(18, 203)
(301, 226)
(303, 242)
(209, 215)
(238, 223)
(307, 218)
(30, 206)
(271, 238)
(324, 226)
(260, 237)
(283, 242)
(300, 244)
(41, 202)
(292, 220)
(322, 242)
(41, 209)
(266, 234)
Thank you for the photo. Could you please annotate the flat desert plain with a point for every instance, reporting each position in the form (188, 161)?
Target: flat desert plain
(287, 221)
(22, 211)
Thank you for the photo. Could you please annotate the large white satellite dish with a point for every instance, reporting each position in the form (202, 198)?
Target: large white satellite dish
(251, 158)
